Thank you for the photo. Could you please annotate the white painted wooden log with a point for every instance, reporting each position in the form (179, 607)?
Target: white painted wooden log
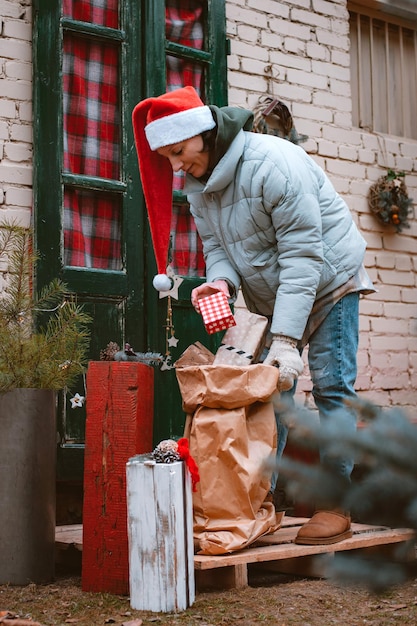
(160, 534)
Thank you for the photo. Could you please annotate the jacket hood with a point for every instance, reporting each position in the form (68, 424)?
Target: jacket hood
(229, 121)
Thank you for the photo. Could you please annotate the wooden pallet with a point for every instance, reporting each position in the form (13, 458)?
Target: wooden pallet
(276, 552)
(279, 553)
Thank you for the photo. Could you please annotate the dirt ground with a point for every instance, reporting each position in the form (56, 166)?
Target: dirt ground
(269, 600)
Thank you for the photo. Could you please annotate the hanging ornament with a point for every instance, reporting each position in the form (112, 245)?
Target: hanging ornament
(176, 282)
(170, 339)
(173, 341)
(388, 200)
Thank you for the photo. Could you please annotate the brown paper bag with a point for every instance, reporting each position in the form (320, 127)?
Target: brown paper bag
(232, 433)
(196, 354)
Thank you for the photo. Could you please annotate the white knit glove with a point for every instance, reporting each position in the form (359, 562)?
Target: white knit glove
(283, 352)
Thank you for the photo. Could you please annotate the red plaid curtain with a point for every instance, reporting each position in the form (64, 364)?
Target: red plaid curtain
(101, 12)
(92, 220)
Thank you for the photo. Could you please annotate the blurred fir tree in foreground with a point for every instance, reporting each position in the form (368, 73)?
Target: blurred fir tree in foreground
(384, 491)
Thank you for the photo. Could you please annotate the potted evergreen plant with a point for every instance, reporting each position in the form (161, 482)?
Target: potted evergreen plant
(44, 339)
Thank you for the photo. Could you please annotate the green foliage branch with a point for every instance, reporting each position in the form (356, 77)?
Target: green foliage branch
(44, 338)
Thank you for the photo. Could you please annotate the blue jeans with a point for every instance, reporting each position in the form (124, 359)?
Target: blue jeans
(332, 361)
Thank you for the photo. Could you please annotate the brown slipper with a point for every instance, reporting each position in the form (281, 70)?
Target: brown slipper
(324, 528)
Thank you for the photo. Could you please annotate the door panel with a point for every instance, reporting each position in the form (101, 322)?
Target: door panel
(88, 210)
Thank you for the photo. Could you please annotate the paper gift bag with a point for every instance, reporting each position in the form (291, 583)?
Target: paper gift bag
(242, 344)
(232, 435)
(195, 354)
(216, 312)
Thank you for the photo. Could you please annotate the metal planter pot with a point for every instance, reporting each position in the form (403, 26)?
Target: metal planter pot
(27, 486)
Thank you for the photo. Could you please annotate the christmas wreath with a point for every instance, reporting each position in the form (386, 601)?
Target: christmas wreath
(389, 201)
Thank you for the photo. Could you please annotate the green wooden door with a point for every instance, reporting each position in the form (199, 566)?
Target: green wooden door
(107, 63)
(202, 63)
(88, 213)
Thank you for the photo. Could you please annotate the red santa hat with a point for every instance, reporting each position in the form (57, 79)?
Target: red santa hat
(157, 122)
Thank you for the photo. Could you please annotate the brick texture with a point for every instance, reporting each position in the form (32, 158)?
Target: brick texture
(305, 45)
(15, 100)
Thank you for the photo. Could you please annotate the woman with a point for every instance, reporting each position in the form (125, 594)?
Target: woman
(273, 226)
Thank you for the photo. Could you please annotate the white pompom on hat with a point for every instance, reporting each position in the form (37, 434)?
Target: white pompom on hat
(158, 122)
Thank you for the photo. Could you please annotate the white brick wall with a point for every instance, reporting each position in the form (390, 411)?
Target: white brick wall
(297, 50)
(304, 48)
(16, 111)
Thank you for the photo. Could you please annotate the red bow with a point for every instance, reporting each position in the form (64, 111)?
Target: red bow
(184, 452)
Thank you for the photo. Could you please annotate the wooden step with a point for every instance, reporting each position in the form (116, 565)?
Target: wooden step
(276, 551)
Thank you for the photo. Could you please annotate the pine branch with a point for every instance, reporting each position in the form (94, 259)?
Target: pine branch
(31, 355)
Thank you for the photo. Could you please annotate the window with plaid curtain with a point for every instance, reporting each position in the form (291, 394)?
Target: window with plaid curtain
(93, 219)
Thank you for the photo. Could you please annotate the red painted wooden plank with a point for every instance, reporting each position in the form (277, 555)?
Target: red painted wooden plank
(119, 425)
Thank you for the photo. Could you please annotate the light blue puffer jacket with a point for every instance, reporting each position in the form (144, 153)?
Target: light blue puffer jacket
(272, 223)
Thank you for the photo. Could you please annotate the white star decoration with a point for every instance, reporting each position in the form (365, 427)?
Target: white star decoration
(174, 291)
(77, 401)
(173, 341)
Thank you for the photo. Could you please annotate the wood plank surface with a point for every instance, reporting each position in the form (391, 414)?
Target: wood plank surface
(291, 550)
(70, 535)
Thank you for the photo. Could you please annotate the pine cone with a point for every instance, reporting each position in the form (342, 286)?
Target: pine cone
(166, 452)
(108, 353)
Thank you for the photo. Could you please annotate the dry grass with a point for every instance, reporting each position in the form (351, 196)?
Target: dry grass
(270, 600)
